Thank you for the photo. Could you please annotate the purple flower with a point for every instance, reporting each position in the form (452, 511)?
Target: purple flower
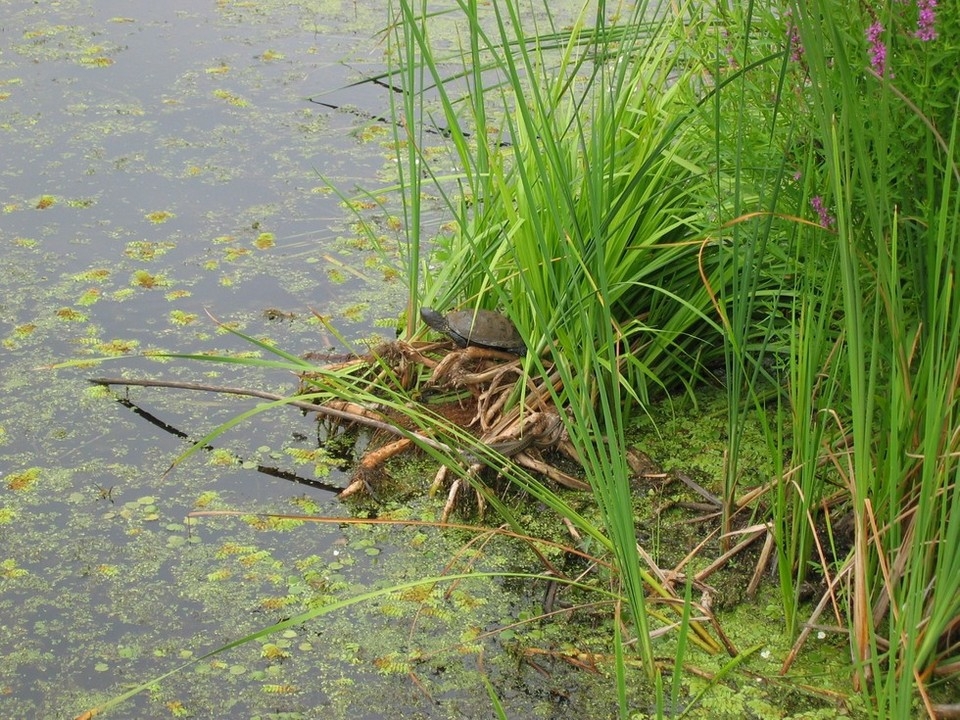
(878, 51)
(826, 219)
(926, 20)
(796, 47)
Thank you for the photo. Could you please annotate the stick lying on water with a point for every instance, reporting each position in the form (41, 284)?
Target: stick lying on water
(321, 409)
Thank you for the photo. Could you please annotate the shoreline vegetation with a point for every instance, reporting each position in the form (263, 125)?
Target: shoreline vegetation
(761, 198)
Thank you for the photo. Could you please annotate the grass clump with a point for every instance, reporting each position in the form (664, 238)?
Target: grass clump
(767, 194)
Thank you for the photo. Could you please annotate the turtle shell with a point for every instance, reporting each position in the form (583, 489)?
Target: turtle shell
(483, 328)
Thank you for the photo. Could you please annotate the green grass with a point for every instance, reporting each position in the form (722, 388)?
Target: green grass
(643, 198)
(872, 343)
(583, 226)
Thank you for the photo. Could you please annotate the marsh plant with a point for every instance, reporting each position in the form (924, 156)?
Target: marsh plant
(863, 334)
(579, 212)
(877, 366)
(758, 195)
(764, 192)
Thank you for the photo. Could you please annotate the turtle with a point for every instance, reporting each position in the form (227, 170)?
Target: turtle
(483, 328)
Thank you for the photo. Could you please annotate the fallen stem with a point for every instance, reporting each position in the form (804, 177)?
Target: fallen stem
(303, 405)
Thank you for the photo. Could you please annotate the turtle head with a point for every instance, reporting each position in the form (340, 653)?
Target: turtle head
(434, 319)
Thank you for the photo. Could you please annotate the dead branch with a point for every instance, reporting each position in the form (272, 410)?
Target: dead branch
(347, 415)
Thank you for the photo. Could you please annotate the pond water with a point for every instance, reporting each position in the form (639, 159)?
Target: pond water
(162, 161)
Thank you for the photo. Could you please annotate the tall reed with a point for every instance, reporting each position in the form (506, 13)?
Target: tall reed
(581, 210)
(578, 213)
(871, 356)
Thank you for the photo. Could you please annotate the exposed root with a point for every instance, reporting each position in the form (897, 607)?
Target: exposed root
(451, 499)
(482, 389)
(537, 465)
(371, 465)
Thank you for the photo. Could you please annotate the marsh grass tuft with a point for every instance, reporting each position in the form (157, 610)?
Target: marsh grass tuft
(640, 191)
(866, 343)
